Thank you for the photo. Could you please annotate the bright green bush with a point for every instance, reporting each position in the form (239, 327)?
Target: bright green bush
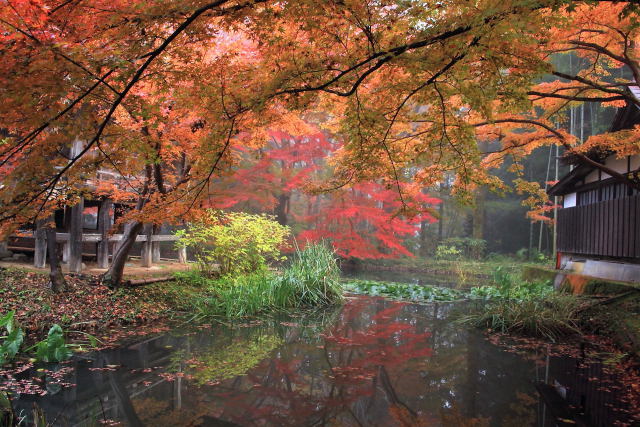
(234, 242)
(448, 252)
(461, 247)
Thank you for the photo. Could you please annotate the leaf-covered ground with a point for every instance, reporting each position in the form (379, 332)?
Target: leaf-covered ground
(87, 306)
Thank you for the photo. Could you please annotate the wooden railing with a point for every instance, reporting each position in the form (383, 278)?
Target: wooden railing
(92, 237)
(610, 228)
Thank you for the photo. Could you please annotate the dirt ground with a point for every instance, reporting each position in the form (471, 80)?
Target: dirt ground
(132, 268)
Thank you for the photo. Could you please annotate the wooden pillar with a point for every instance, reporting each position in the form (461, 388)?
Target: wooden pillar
(75, 237)
(104, 224)
(40, 252)
(182, 254)
(4, 249)
(155, 246)
(147, 248)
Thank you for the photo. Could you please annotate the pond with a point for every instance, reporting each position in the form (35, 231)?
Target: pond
(371, 362)
(411, 277)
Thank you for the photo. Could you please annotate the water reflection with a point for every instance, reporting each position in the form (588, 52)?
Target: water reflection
(373, 362)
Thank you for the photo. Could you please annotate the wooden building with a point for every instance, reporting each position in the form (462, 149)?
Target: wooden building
(85, 232)
(598, 224)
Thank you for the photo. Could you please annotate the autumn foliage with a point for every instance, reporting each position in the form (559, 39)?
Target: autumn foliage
(157, 93)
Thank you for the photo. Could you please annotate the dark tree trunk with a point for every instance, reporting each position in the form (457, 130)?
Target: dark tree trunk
(113, 276)
(282, 208)
(56, 279)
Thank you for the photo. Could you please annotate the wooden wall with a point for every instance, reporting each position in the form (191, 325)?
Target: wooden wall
(610, 228)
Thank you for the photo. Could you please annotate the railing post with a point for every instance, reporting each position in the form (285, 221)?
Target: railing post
(147, 251)
(155, 246)
(104, 223)
(182, 254)
(75, 237)
(40, 252)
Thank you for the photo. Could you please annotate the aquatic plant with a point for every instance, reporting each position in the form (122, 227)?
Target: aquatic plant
(53, 348)
(403, 291)
(551, 316)
(313, 278)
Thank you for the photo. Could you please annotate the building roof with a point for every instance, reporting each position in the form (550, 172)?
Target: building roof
(625, 118)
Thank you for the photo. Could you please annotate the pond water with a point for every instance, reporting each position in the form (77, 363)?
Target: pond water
(371, 362)
(416, 278)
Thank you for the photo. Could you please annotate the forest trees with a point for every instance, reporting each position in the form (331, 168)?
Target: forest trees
(158, 90)
(361, 221)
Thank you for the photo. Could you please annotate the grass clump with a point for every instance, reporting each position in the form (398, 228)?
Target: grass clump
(525, 308)
(552, 316)
(506, 286)
(312, 279)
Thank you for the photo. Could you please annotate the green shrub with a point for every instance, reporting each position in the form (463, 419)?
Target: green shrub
(235, 242)
(447, 252)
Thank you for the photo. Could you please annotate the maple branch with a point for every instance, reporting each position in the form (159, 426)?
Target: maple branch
(221, 153)
(595, 85)
(541, 95)
(63, 55)
(49, 188)
(384, 57)
(26, 140)
(570, 149)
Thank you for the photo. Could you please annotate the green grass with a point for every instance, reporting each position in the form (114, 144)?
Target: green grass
(312, 279)
(552, 316)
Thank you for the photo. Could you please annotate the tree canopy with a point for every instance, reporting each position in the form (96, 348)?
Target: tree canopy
(157, 91)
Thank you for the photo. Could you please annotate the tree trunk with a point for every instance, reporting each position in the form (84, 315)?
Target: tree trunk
(477, 231)
(281, 208)
(56, 279)
(113, 276)
(422, 251)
